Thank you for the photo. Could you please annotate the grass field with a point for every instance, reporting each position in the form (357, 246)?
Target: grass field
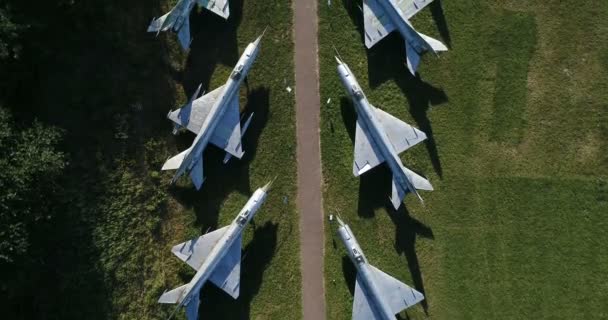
(516, 116)
(109, 85)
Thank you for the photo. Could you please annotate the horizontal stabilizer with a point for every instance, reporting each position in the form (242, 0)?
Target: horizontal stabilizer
(434, 43)
(157, 24)
(401, 135)
(175, 162)
(366, 154)
(395, 293)
(196, 174)
(219, 7)
(227, 274)
(174, 296)
(419, 182)
(195, 251)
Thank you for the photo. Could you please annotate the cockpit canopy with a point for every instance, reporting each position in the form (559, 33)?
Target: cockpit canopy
(236, 74)
(357, 255)
(242, 219)
(357, 92)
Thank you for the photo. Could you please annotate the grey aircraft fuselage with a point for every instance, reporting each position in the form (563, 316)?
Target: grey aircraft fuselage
(404, 27)
(372, 126)
(364, 272)
(230, 89)
(224, 243)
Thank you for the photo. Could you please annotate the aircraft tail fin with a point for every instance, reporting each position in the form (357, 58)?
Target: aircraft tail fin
(196, 174)
(174, 296)
(413, 58)
(175, 162)
(184, 34)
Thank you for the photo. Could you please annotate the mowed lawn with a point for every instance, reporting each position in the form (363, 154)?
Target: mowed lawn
(270, 272)
(517, 126)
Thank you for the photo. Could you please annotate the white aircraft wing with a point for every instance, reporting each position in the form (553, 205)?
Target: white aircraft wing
(219, 7)
(227, 134)
(227, 274)
(362, 309)
(377, 23)
(199, 112)
(402, 135)
(397, 294)
(195, 251)
(409, 8)
(366, 155)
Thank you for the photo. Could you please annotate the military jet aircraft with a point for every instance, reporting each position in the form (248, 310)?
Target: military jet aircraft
(216, 256)
(378, 296)
(214, 118)
(178, 19)
(381, 17)
(381, 137)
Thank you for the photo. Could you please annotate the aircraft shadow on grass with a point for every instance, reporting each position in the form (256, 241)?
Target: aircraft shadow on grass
(221, 179)
(386, 61)
(214, 40)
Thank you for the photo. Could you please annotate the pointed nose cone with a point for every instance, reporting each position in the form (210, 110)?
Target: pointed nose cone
(338, 60)
(268, 185)
(257, 41)
(340, 222)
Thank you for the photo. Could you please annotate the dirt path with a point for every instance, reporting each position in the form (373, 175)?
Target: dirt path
(309, 159)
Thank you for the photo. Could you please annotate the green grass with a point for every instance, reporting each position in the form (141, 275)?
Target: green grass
(515, 113)
(108, 84)
(514, 43)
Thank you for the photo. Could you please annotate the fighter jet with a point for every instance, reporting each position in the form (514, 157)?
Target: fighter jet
(383, 16)
(215, 256)
(377, 295)
(381, 137)
(214, 118)
(178, 19)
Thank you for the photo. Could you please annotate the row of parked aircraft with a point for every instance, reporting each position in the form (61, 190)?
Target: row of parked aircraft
(380, 138)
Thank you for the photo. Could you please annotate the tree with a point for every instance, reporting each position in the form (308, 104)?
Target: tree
(29, 164)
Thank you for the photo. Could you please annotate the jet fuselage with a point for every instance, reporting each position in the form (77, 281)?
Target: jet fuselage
(364, 273)
(371, 125)
(220, 250)
(230, 89)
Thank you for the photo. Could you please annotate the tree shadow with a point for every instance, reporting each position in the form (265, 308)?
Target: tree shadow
(407, 231)
(257, 255)
(386, 61)
(86, 68)
(221, 179)
(214, 41)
